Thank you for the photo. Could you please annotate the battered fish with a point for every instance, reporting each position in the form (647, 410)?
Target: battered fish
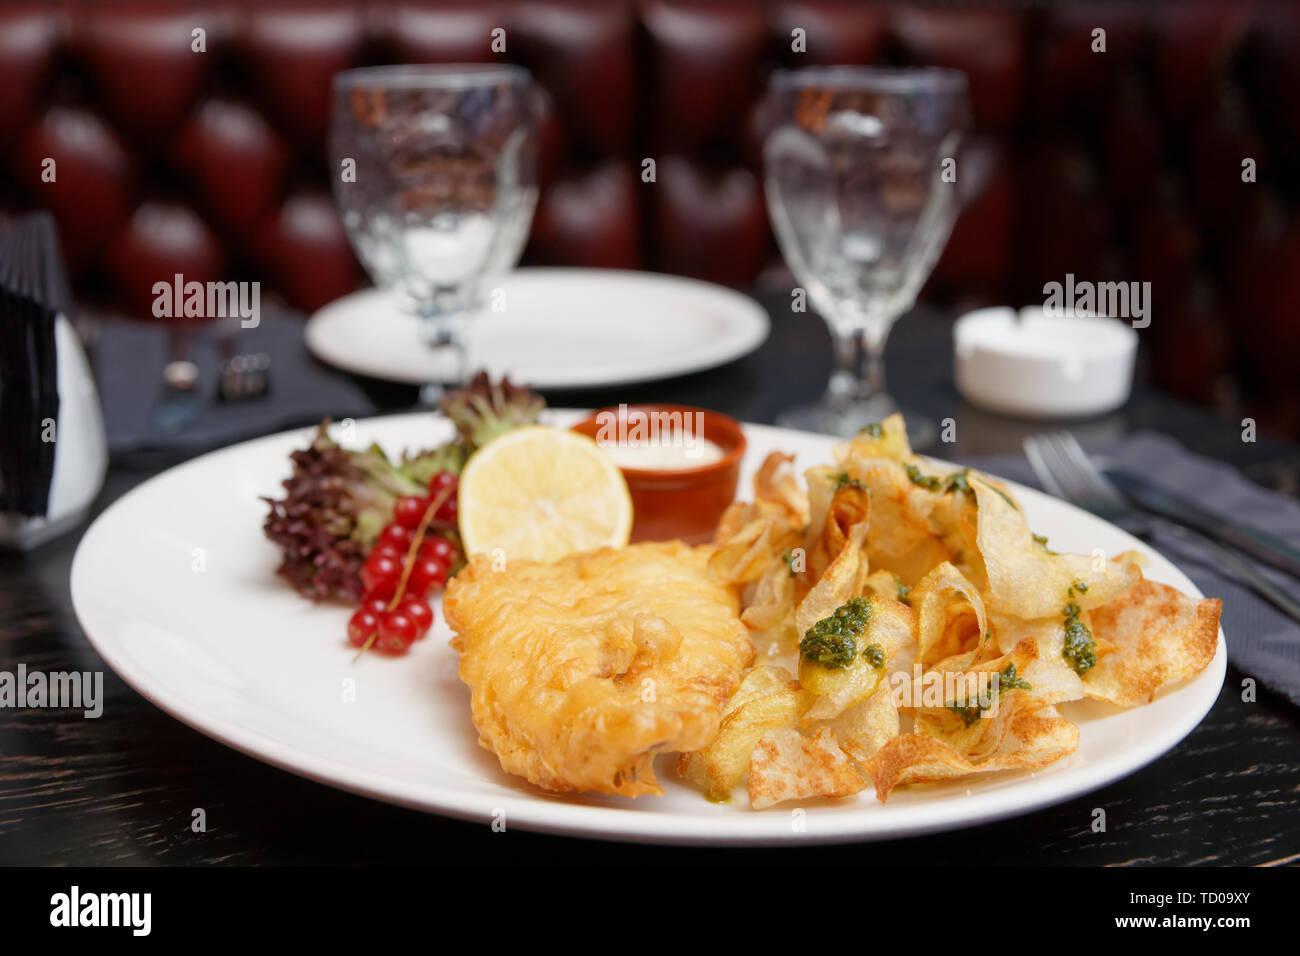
(584, 669)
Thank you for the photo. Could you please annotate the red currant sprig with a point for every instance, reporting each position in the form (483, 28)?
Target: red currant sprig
(401, 568)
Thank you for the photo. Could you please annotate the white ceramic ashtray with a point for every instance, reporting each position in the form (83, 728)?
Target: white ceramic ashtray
(1037, 365)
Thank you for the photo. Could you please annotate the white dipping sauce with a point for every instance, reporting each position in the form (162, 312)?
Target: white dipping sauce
(676, 454)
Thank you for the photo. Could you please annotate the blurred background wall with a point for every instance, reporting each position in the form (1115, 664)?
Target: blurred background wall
(1122, 165)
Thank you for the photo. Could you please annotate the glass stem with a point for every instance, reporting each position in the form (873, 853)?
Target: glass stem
(446, 333)
(844, 368)
(442, 328)
(871, 365)
(859, 364)
(452, 338)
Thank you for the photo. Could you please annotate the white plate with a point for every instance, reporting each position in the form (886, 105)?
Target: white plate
(174, 586)
(559, 328)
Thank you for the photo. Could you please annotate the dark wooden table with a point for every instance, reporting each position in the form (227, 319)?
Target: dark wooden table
(121, 789)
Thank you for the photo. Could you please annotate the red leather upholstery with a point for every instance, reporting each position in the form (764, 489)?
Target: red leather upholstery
(1117, 165)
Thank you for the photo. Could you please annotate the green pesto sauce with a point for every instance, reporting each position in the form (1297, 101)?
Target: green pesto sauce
(1080, 650)
(958, 481)
(875, 655)
(904, 592)
(843, 479)
(788, 558)
(929, 482)
(832, 641)
(1007, 680)
(1041, 541)
(874, 430)
(1005, 497)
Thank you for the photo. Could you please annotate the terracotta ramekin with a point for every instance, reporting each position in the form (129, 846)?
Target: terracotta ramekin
(681, 503)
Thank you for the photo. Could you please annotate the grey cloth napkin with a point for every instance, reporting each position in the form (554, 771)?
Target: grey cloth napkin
(129, 359)
(1262, 641)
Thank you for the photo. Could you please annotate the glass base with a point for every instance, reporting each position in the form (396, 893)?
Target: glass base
(431, 394)
(845, 420)
(444, 337)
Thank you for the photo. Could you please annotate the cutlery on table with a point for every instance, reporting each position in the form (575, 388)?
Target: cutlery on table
(1067, 472)
(178, 401)
(243, 375)
(1151, 497)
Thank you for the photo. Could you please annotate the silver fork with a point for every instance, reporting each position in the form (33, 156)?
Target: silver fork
(1066, 471)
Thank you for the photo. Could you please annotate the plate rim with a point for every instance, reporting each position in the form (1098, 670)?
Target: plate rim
(536, 811)
(752, 328)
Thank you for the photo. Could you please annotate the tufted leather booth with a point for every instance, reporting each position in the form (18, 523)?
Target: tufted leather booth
(1117, 165)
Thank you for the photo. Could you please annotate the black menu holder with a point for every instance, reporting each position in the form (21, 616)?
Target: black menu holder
(33, 290)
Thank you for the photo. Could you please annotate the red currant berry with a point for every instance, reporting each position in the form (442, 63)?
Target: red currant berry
(397, 630)
(380, 575)
(448, 511)
(361, 626)
(419, 612)
(397, 536)
(409, 511)
(375, 605)
(426, 573)
(438, 548)
(397, 554)
(443, 479)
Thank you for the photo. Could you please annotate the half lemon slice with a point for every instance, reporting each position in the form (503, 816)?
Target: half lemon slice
(541, 493)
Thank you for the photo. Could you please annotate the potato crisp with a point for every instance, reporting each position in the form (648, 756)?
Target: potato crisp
(911, 628)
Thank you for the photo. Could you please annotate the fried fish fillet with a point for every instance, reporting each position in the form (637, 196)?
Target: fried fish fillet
(582, 670)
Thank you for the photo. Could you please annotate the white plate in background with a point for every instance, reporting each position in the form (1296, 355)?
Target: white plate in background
(235, 653)
(560, 328)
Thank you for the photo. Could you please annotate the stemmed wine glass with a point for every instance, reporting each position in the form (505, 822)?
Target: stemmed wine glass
(434, 170)
(860, 170)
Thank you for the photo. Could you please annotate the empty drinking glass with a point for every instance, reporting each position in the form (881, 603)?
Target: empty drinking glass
(860, 170)
(435, 178)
